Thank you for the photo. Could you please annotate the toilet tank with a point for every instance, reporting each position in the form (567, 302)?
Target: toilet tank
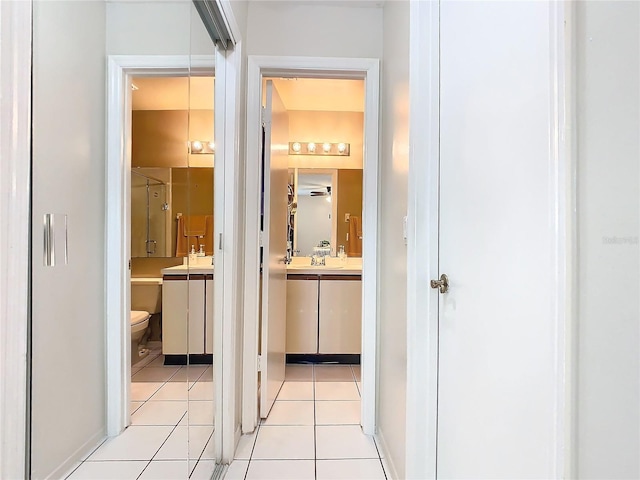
(146, 294)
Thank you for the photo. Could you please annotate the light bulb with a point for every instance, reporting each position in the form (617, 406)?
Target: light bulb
(196, 146)
(342, 147)
(296, 147)
(326, 147)
(311, 147)
(212, 146)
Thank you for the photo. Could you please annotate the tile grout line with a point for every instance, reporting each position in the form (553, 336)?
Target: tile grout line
(162, 445)
(315, 429)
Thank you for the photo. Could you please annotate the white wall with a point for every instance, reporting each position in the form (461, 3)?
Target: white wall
(155, 28)
(608, 122)
(301, 28)
(393, 259)
(68, 376)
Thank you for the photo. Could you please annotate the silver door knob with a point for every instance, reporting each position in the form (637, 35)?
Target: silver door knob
(442, 284)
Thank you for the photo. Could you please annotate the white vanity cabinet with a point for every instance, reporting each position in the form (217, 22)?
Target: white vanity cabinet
(302, 314)
(187, 313)
(324, 314)
(175, 311)
(340, 314)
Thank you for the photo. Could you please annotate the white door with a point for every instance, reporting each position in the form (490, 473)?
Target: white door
(274, 270)
(496, 327)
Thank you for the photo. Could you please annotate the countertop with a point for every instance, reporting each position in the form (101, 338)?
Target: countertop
(202, 266)
(334, 266)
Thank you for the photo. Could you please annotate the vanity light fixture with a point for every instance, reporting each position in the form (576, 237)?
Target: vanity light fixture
(311, 148)
(201, 146)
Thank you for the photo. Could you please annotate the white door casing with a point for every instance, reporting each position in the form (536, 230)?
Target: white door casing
(15, 171)
(498, 161)
(117, 303)
(274, 268)
(318, 67)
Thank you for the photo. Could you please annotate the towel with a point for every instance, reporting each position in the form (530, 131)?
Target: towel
(195, 226)
(354, 246)
(194, 230)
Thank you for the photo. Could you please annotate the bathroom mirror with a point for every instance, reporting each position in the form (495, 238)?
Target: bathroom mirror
(326, 206)
(172, 155)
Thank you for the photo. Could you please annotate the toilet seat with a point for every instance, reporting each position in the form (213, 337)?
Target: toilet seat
(138, 317)
(139, 320)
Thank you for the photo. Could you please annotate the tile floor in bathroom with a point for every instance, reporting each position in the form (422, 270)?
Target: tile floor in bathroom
(155, 447)
(312, 432)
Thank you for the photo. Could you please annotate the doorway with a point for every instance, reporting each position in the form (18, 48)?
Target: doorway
(261, 68)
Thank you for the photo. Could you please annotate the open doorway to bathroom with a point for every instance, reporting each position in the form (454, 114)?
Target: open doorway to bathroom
(320, 128)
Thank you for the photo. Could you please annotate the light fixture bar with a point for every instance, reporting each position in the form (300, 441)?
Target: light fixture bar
(201, 146)
(339, 149)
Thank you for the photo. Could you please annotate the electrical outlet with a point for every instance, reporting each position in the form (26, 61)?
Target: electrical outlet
(347, 216)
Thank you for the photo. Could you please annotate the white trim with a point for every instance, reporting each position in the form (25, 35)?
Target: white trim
(421, 437)
(369, 69)
(422, 240)
(562, 173)
(227, 271)
(390, 469)
(15, 187)
(571, 242)
(71, 463)
(117, 254)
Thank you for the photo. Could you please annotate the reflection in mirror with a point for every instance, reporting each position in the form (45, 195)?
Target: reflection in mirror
(150, 211)
(326, 207)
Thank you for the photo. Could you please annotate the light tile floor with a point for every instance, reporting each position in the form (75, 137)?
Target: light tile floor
(312, 432)
(164, 441)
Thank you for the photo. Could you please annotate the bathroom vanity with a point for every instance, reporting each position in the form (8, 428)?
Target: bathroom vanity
(187, 314)
(324, 310)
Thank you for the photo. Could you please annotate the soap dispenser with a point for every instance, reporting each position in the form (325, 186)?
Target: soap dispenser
(192, 254)
(201, 251)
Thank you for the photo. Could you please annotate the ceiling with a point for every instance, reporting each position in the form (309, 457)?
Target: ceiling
(321, 94)
(173, 93)
(304, 94)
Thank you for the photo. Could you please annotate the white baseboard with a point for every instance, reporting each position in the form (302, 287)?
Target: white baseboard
(77, 457)
(387, 462)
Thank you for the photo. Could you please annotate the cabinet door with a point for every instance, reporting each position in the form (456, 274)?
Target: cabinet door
(208, 317)
(302, 316)
(340, 319)
(175, 295)
(196, 314)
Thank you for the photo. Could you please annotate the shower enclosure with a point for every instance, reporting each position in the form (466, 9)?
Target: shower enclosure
(149, 216)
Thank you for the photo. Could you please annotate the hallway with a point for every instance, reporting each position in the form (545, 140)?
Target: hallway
(312, 432)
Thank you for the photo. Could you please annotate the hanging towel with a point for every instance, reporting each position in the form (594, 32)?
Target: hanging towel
(354, 246)
(195, 226)
(194, 230)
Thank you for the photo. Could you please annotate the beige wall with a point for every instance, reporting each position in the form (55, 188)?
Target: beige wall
(393, 207)
(349, 201)
(332, 127)
(160, 137)
(68, 342)
(608, 188)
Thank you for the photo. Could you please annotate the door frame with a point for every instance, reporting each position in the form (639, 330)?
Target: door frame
(118, 216)
(320, 67)
(15, 256)
(423, 224)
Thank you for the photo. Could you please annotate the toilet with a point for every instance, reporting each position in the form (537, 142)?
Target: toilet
(139, 324)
